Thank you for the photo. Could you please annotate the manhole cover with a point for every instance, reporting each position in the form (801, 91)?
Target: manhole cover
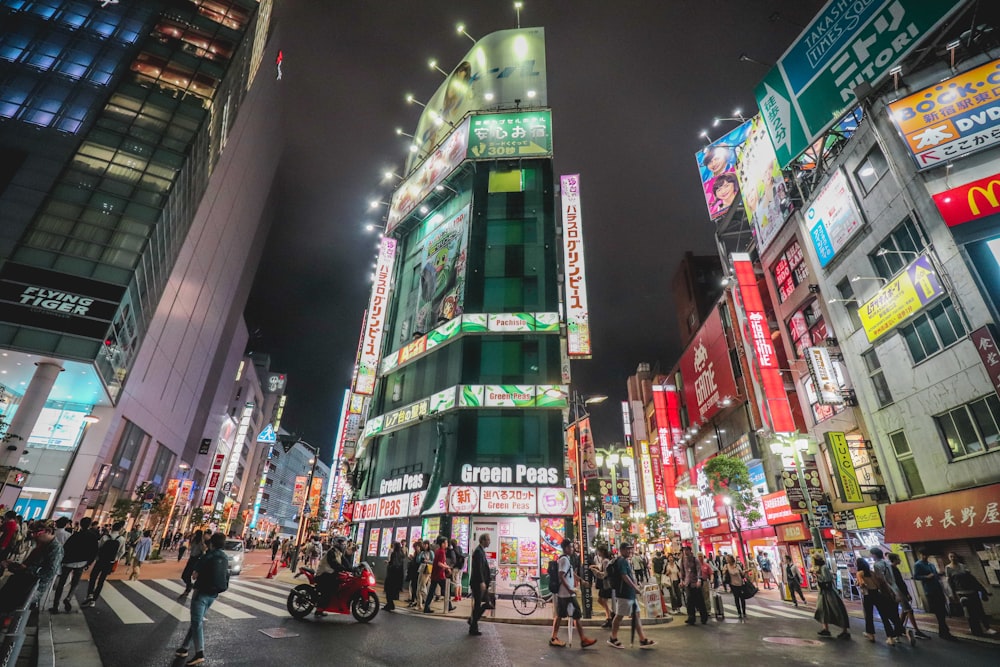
(793, 641)
(278, 633)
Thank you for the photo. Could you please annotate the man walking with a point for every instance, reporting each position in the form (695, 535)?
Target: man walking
(927, 574)
(567, 605)
(79, 552)
(439, 576)
(109, 551)
(479, 583)
(765, 569)
(794, 581)
(212, 578)
(692, 581)
(625, 603)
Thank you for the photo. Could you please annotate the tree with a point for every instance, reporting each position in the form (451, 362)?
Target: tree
(657, 526)
(729, 477)
(122, 510)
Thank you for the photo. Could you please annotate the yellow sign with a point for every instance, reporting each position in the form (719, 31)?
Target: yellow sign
(847, 478)
(914, 288)
(868, 517)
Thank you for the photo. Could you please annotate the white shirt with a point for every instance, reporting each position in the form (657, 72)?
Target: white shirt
(566, 568)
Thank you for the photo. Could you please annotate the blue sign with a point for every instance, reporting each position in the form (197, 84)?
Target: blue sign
(268, 435)
(757, 476)
(30, 508)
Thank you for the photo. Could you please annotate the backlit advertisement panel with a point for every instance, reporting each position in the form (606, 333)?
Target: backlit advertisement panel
(646, 466)
(371, 341)
(833, 219)
(440, 294)
(500, 68)
(757, 334)
(762, 185)
(502, 135)
(952, 119)
(912, 290)
(971, 201)
(824, 376)
(717, 165)
(577, 312)
(707, 371)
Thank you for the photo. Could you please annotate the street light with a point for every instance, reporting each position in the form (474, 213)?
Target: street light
(793, 444)
(688, 493)
(305, 502)
(578, 404)
(612, 458)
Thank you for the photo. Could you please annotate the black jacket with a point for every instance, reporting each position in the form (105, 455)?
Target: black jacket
(81, 547)
(479, 573)
(213, 572)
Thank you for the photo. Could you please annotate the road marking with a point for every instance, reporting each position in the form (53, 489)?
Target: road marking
(282, 588)
(246, 590)
(172, 607)
(127, 612)
(219, 607)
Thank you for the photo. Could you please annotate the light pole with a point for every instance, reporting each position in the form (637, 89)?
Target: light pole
(688, 493)
(793, 444)
(613, 457)
(184, 467)
(734, 521)
(579, 403)
(305, 502)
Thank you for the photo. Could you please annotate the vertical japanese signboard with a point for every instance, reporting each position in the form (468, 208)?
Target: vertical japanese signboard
(985, 340)
(577, 312)
(847, 45)
(371, 336)
(758, 335)
(846, 475)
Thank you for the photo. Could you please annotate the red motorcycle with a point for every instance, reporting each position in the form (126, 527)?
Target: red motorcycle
(355, 595)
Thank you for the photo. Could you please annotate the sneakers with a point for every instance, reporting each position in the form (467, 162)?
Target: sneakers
(590, 641)
(844, 635)
(555, 641)
(615, 643)
(67, 606)
(646, 643)
(89, 602)
(824, 633)
(181, 652)
(198, 659)
(606, 624)
(869, 637)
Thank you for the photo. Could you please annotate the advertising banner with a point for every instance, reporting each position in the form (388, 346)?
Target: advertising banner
(758, 334)
(463, 499)
(868, 517)
(506, 135)
(373, 536)
(441, 292)
(371, 335)
(588, 455)
(833, 219)
(824, 376)
(315, 495)
(971, 201)
(777, 510)
(717, 167)
(951, 119)
(299, 490)
(646, 466)
(985, 340)
(846, 476)
(796, 499)
(555, 501)
(911, 291)
(513, 501)
(762, 185)
(577, 311)
(502, 69)
(847, 45)
(707, 370)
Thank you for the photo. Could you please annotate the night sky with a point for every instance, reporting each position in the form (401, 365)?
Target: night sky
(631, 85)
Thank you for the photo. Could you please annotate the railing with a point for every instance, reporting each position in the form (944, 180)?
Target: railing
(13, 626)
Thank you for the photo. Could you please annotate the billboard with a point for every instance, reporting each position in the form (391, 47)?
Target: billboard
(762, 185)
(824, 376)
(707, 371)
(846, 476)
(440, 294)
(503, 69)
(717, 166)
(970, 202)
(577, 312)
(952, 119)
(833, 218)
(508, 135)
(913, 289)
(371, 335)
(847, 44)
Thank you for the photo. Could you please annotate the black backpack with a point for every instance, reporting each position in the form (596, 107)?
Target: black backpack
(613, 575)
(108, 551)
(554, 581)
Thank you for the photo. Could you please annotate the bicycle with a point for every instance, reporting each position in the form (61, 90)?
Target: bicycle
(527, 599)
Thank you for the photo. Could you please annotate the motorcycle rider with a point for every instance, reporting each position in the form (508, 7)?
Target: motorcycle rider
(333, 562)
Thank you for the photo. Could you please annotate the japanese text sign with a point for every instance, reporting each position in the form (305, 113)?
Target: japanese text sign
(371, 335)
(515, 501)
(846, 476)
(504, 135)
(777, 510)
(833, 218)
(985, 340)
(948, 516)
(913, 289)
(707, 371)
(577, 311)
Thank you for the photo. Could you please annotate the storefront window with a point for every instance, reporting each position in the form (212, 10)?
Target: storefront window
(807, 328)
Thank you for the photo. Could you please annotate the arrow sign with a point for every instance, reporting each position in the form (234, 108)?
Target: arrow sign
(268, 435)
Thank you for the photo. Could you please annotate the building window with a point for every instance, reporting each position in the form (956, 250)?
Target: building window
(971, 428)
(877, 377)
(871, 170)
(904, 456)
(850, 302)
(932, 331)
(790, 271)
(899, 248)
(807, 328)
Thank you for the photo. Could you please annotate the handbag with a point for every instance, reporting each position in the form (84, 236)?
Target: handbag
(749, 589)
(427, 568)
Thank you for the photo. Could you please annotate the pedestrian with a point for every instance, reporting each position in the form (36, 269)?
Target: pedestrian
(711, 576)
(625, 600)
(659, 564)
(439, 575)
(888, 593)
(61, 533)
(8, 532)
(425, 561)
(394, 575)
(567, 605)
(718, 562)
(764, 562)
(182, 549)
(197, 549)
(479, 583)
(41, 565)
(458, 564)
(875, 599)
(413, 572)
(830, 607)
(672, 572)
(732, 573)
(275, 546)
(905, 602)
(110, 549)
(971, 593)
(927, 574)
(604, 592)
(693, 582)
(79, 552)
(212, 578)
(142, 550)
(794, 580)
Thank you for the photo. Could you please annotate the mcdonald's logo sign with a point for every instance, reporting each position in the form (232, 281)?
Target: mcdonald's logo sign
(969, 202)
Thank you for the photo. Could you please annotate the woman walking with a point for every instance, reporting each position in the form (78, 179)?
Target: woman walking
(197, 549)
(732, 573)
(182, 549)
(394, 575)
(673, 573)
(830, 608)
(413, 572)
(600, 569)
(425, 559)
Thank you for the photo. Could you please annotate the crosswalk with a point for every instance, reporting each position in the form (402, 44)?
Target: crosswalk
(767, 610)
(150, 600)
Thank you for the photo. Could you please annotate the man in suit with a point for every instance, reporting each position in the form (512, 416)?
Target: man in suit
(479, 583)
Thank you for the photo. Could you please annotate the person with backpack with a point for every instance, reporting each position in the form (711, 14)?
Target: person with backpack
(600, 569)
(794, 580)
(457, 564)
(79, 552)
(212, 578)
(110, 549)
(567, 605)
(622, 576)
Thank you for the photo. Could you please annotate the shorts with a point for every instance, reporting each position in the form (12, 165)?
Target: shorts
(604, 594)
(624, 607)
(566, 607)
(905, 605)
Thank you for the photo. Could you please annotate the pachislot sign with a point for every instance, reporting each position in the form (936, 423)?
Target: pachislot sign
(371, 337)
(577, 311)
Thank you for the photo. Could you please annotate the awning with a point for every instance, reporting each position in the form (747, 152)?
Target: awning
(958, 515)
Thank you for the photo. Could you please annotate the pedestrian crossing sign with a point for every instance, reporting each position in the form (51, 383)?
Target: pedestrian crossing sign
(268, 435)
